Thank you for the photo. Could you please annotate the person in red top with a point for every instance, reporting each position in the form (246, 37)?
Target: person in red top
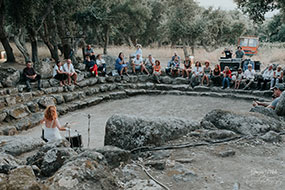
(157, 70)
(227, 77)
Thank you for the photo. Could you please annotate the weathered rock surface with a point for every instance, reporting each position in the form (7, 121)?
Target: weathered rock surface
(271, 136)
(245, 124)
(280, 108)
(46, 101)
(44, 68)
(114, 155)
(265, 111)
(21, 144)
(9, 77)
(83, 173)
(130, 132)
(23, 177)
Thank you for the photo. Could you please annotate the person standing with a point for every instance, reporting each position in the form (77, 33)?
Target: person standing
(71, 74)
(30, 75)
(239, 53)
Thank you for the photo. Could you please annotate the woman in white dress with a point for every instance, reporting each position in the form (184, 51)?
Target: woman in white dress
(52, 125)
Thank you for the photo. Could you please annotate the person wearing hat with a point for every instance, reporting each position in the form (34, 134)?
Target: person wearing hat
(139, 50)
(277, 91)
(249, 76)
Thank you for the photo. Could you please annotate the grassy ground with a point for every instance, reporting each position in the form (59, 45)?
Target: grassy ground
(266, 54)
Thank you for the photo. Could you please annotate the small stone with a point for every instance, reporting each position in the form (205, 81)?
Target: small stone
(227, 153)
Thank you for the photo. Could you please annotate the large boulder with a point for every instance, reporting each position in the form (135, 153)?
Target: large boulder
(114, 155)
(265, 111)
(129, 132)
(44, 68)
(280, 108)
(110, 62)
(83, 173)
(9, 77)
(8, 162)
(241, 123)
(23, 177)
(18, 145)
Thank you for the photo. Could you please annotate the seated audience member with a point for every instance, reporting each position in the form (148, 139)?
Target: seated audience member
(30, 75)
(157, 70)
(216, 76)
(277, 77)
(138, 65)
(88, 63)
(52, 125)
(239, 53)
(175, 69)
(238, 78)
(249, 76)
(207, 71)
(120, 65)
(149, 63)
(69, 70)
(101, 64)
(196, 74)
(227, 76)
(59, 74)
(175, 55)
(187, 67)
(171, 62)
(266, 77)
(277, 91)
(89, 51)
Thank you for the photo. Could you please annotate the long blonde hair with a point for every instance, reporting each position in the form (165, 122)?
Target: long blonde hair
(50, 113)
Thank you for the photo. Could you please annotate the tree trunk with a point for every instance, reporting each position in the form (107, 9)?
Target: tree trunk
(106, 43)
(65, 42)
(34, 43)
(192, 49)
(185, 50)
(130, 42)
(3, 36)
(19, 40)
(53, 47)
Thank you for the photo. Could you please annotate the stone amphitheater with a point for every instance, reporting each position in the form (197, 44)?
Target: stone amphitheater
(144, 135)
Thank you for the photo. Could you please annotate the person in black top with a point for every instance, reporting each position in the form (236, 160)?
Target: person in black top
(228, 53)
(30, 75)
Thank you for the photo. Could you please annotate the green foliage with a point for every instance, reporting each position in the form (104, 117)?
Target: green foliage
(256, 9)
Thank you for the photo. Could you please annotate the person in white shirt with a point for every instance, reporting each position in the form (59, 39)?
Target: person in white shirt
(59, 74)
(266, 77)
(249, 75)
(277, 77)
(101, 64)
(138, 65)
(197, 73)
(69, 70)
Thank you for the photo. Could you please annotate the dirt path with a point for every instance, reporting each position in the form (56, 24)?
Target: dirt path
(150, 106)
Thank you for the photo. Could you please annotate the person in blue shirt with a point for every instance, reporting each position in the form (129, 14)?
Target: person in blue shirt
(120, 65)
(277, 91)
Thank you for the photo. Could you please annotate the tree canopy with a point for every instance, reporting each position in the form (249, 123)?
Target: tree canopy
(67, 25)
